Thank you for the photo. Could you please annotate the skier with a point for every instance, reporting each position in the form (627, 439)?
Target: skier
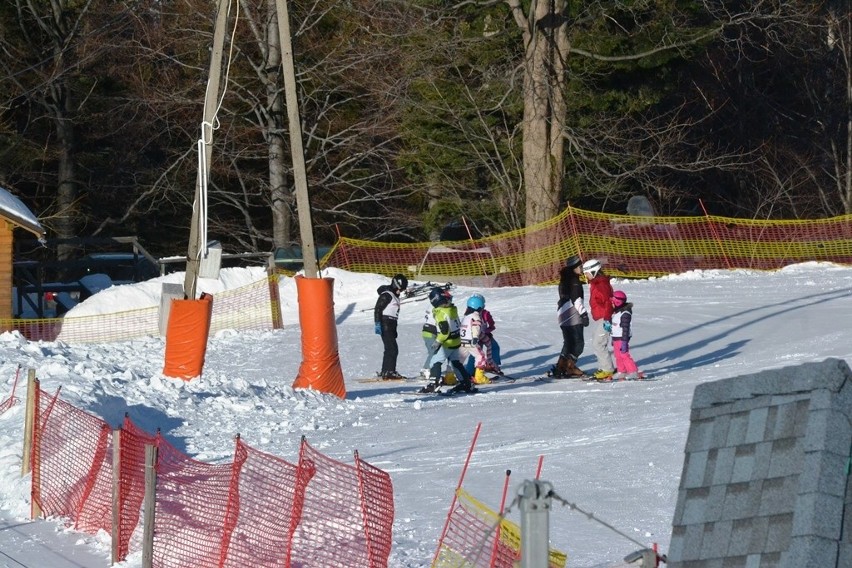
(572, 317)
(447, 343)
(385, 317)
(490, 347)
(429, 332)
(472, 333)
(622, 316)
(600, 303)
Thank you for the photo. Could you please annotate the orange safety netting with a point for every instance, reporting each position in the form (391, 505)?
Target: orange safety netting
(346, 508)
(629, 246)
(256, 510)
(72, 464)
(477, 536)
(254, 306)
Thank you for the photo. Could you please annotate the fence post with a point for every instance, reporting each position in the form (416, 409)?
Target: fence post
(116, 489)
(28, 421)
(149, 503)
(535, 498)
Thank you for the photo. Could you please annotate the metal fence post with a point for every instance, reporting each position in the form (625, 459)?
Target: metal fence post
(535, 498)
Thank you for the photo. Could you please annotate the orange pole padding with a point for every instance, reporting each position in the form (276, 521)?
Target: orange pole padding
(320, 369)
(186, 337)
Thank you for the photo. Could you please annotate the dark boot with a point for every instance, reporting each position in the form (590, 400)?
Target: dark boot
(435, 378)
(572, 370)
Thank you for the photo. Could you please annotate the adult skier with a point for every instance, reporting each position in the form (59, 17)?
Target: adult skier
(385, 316)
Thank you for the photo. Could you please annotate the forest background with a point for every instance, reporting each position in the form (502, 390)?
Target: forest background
(415, 113)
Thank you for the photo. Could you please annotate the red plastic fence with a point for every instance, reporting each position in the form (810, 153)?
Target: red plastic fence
(257, 510)
(333, 515)
(72, 464)
(629, 246)
(131, 483)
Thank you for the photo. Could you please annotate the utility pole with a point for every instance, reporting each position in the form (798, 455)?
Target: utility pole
(199, 206)
(300, 177)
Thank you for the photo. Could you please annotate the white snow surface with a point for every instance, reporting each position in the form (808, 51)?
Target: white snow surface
(615, 450)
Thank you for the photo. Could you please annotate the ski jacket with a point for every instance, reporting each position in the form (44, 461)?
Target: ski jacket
(387, 305)
(600, 297)
(570, 307)
(447, 319)
(430, 328)
(472, 328)
(487, 322)
(621, 319)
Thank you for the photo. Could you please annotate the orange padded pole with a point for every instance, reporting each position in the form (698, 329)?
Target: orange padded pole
(186, 337)
(320, 369)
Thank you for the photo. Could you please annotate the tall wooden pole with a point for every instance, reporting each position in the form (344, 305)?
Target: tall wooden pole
(211, 102)
(297, 151)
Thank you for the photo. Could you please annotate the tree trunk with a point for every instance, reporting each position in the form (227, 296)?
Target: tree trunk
(546, 43)
(280, 197)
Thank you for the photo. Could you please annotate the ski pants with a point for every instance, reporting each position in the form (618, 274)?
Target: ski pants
(389, 342)
(572, 341)
(600, 344)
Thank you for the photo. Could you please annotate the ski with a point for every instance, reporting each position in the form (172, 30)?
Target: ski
(381, 380)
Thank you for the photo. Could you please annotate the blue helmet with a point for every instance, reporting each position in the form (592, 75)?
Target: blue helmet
(476, 302)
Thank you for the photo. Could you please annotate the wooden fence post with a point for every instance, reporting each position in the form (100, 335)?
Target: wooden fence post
(116, 492)
(149, 503)
(28, 421)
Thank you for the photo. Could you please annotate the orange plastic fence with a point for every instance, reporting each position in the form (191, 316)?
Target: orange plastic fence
(629, 246)
(258, 510)
(72, 470)
(252, 307)
(336, 515)
(131, 483)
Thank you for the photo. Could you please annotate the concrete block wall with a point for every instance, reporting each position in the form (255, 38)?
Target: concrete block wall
(765, 481)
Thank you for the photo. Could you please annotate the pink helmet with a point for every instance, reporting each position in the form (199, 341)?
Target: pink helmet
(619, 298)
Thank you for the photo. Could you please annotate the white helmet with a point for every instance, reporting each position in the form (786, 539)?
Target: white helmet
(592, 266)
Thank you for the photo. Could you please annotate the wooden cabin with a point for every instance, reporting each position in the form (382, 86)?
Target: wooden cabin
(13, 215)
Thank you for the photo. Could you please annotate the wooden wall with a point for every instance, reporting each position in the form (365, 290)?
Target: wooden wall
(6, 249)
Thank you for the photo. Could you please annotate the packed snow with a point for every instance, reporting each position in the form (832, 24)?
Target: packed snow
(613, 450)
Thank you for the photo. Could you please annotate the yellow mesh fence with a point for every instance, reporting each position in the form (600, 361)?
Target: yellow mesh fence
(629, 246)
(254, 306)
(474, 539)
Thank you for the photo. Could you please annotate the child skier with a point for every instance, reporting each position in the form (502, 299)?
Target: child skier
(385, 316)
(472, 333)
(600, 303)
(490, 347)
(447, 343)
(429, 333)
(622, 316)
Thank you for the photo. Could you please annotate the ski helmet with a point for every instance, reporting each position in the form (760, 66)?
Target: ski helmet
(573, 261)
(592, 266)
(619, 298)
(476, 302)
(399, 282)
(439, 297)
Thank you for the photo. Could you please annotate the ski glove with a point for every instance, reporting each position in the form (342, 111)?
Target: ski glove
(624, 346)
(585, 319)
(607, 326)
(378, 328)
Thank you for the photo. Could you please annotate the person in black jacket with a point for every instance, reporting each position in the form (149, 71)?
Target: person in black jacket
(572, 319)
(385, 317)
